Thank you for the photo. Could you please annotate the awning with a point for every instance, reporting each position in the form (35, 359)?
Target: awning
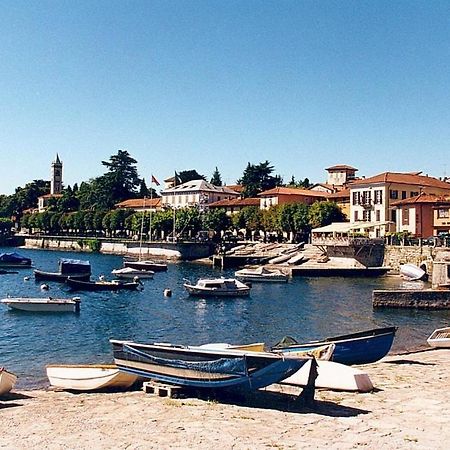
(347, 227)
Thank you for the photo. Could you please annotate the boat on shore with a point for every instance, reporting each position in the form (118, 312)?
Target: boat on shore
(440, 338)
(357, 348)
(154, 266)
(261, 275)
(217, 287)
(7, 381)
(254, 347)
(130, 273)
(14, 260)
(102, 285)
(334, 376)
(46, 304)
(413, 273)
(209, 369)
(89, 377)
(74, 268)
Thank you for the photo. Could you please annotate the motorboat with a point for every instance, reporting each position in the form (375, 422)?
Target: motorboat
(102, 285)
(84, 377)
(261, 274)
(440, 338)
(357, 348)
(217, 287)
(130, 273)
(14, 260)
(210, 369)
(7, 381)
(74, 268)
(412, 273)
(154, 266)
(46, 304)
(334, 376)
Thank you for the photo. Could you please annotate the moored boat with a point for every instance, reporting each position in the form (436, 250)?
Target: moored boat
(358, 348)
(218, 370)
(73, 268)
(261, 274)
(7, 381)
(14, 260)
(130, 273)
(146, 265)
(440, 338)
(217, 287)
(412, 273)
(46, 304)
(89, 377)
(102, 285)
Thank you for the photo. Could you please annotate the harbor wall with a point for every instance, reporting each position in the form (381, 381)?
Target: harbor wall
(185, 251)
(370, 255)
(421, 256)
(406, 298)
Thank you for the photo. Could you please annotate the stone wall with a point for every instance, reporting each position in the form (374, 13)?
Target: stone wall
(403, 298)
(397, 255)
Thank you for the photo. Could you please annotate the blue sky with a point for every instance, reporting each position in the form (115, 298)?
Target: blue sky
(199, 84)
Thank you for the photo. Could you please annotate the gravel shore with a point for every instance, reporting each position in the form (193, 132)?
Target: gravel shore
(408, 409)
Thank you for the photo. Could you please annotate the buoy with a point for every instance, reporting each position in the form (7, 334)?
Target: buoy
(44, 287)
(167, 292)
(101, 277)
(26, 278)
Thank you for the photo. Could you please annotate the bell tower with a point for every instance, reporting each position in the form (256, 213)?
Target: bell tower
(56, 180)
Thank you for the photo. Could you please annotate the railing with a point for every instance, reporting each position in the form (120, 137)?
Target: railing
(345, 241)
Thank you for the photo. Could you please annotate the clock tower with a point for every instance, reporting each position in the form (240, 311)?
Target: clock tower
(56, 180)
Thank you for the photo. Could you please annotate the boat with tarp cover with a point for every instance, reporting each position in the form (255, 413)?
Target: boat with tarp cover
(14, 260)
(210, 369)
(74, 268)
(357, 348)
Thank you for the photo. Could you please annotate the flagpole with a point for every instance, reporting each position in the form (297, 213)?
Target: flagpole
(142, 230)
(151, 201)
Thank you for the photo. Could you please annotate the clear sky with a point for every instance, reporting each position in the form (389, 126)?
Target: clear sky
(203, 83)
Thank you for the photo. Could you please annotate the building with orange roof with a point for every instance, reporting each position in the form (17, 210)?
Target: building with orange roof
(283, 195)
(340, 175)
(371, 199)
(141, 204)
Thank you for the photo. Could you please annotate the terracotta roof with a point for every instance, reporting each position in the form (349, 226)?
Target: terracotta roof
(235, 187)
(139, 203)
(341, 167)
(404, 178)
(344, 193)
(293, 191)
(235, 202)
(423, 198)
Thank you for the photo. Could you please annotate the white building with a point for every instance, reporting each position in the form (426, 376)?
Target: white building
(195, 193)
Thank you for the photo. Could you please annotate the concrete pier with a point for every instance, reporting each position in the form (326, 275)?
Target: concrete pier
(405, 298)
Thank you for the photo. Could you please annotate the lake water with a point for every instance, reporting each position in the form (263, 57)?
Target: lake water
(305, 308)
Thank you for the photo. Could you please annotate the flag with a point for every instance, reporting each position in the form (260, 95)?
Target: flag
(154, 180)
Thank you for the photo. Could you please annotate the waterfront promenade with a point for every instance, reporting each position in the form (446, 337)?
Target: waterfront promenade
(408, 409)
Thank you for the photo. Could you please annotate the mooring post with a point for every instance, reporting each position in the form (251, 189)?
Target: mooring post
(306, 398)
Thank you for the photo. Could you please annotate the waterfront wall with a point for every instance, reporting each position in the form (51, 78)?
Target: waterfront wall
(185, 251)
(405, 298)
(421, 256)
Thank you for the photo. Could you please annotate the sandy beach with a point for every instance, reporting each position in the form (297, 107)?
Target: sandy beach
(408, 409)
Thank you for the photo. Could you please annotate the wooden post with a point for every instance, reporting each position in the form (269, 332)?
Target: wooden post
(306, 398)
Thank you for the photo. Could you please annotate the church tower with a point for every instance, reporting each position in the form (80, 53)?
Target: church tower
(56, 180)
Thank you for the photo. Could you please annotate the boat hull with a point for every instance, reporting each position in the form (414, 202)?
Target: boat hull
(440, 338)
(101, 286)
(358, 348)
(89, 377)
(142, 265)
(56, 276)
(7, 381)
(198, 292)
(43, 305)
(218, 370)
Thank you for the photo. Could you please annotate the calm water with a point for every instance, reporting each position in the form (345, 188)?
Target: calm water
(305, 308)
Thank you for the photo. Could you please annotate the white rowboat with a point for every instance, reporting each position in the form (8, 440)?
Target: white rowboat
(261, 274)
(130, 273)
(47, 304)
(7, 381)
(440, 338)
(89, 377)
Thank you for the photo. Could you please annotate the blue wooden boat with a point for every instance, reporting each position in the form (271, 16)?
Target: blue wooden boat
(209, 369)
(357, 348)
(74, 268)
(13, 259)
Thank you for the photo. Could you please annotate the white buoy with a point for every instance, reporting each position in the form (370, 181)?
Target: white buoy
(167, 292)
(26, 278)
(44, 287)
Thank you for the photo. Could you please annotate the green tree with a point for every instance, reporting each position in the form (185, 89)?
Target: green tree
(187, 221)
(5, 225)
(162, 221)
(216, 220)
(258, 178)
(216, 179)
(325, 212)
(189, 175)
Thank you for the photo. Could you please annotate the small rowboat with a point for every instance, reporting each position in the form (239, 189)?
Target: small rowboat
(114, 285)
(218, 287)
(130, 273)
(47, 304)
(412, 273)
(146, 265)
(261, 274)
(89, 377)
(440, 338)
(7, 381)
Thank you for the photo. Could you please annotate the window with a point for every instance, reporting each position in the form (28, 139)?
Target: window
(403, 195)
(366, 197)
(378, 215)
(355, 198)
(366, 215)
(378, 196)
(405, 216)
(414, 194)
(443, 213)
(356, 216)
(393, 215)
(393, 194)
